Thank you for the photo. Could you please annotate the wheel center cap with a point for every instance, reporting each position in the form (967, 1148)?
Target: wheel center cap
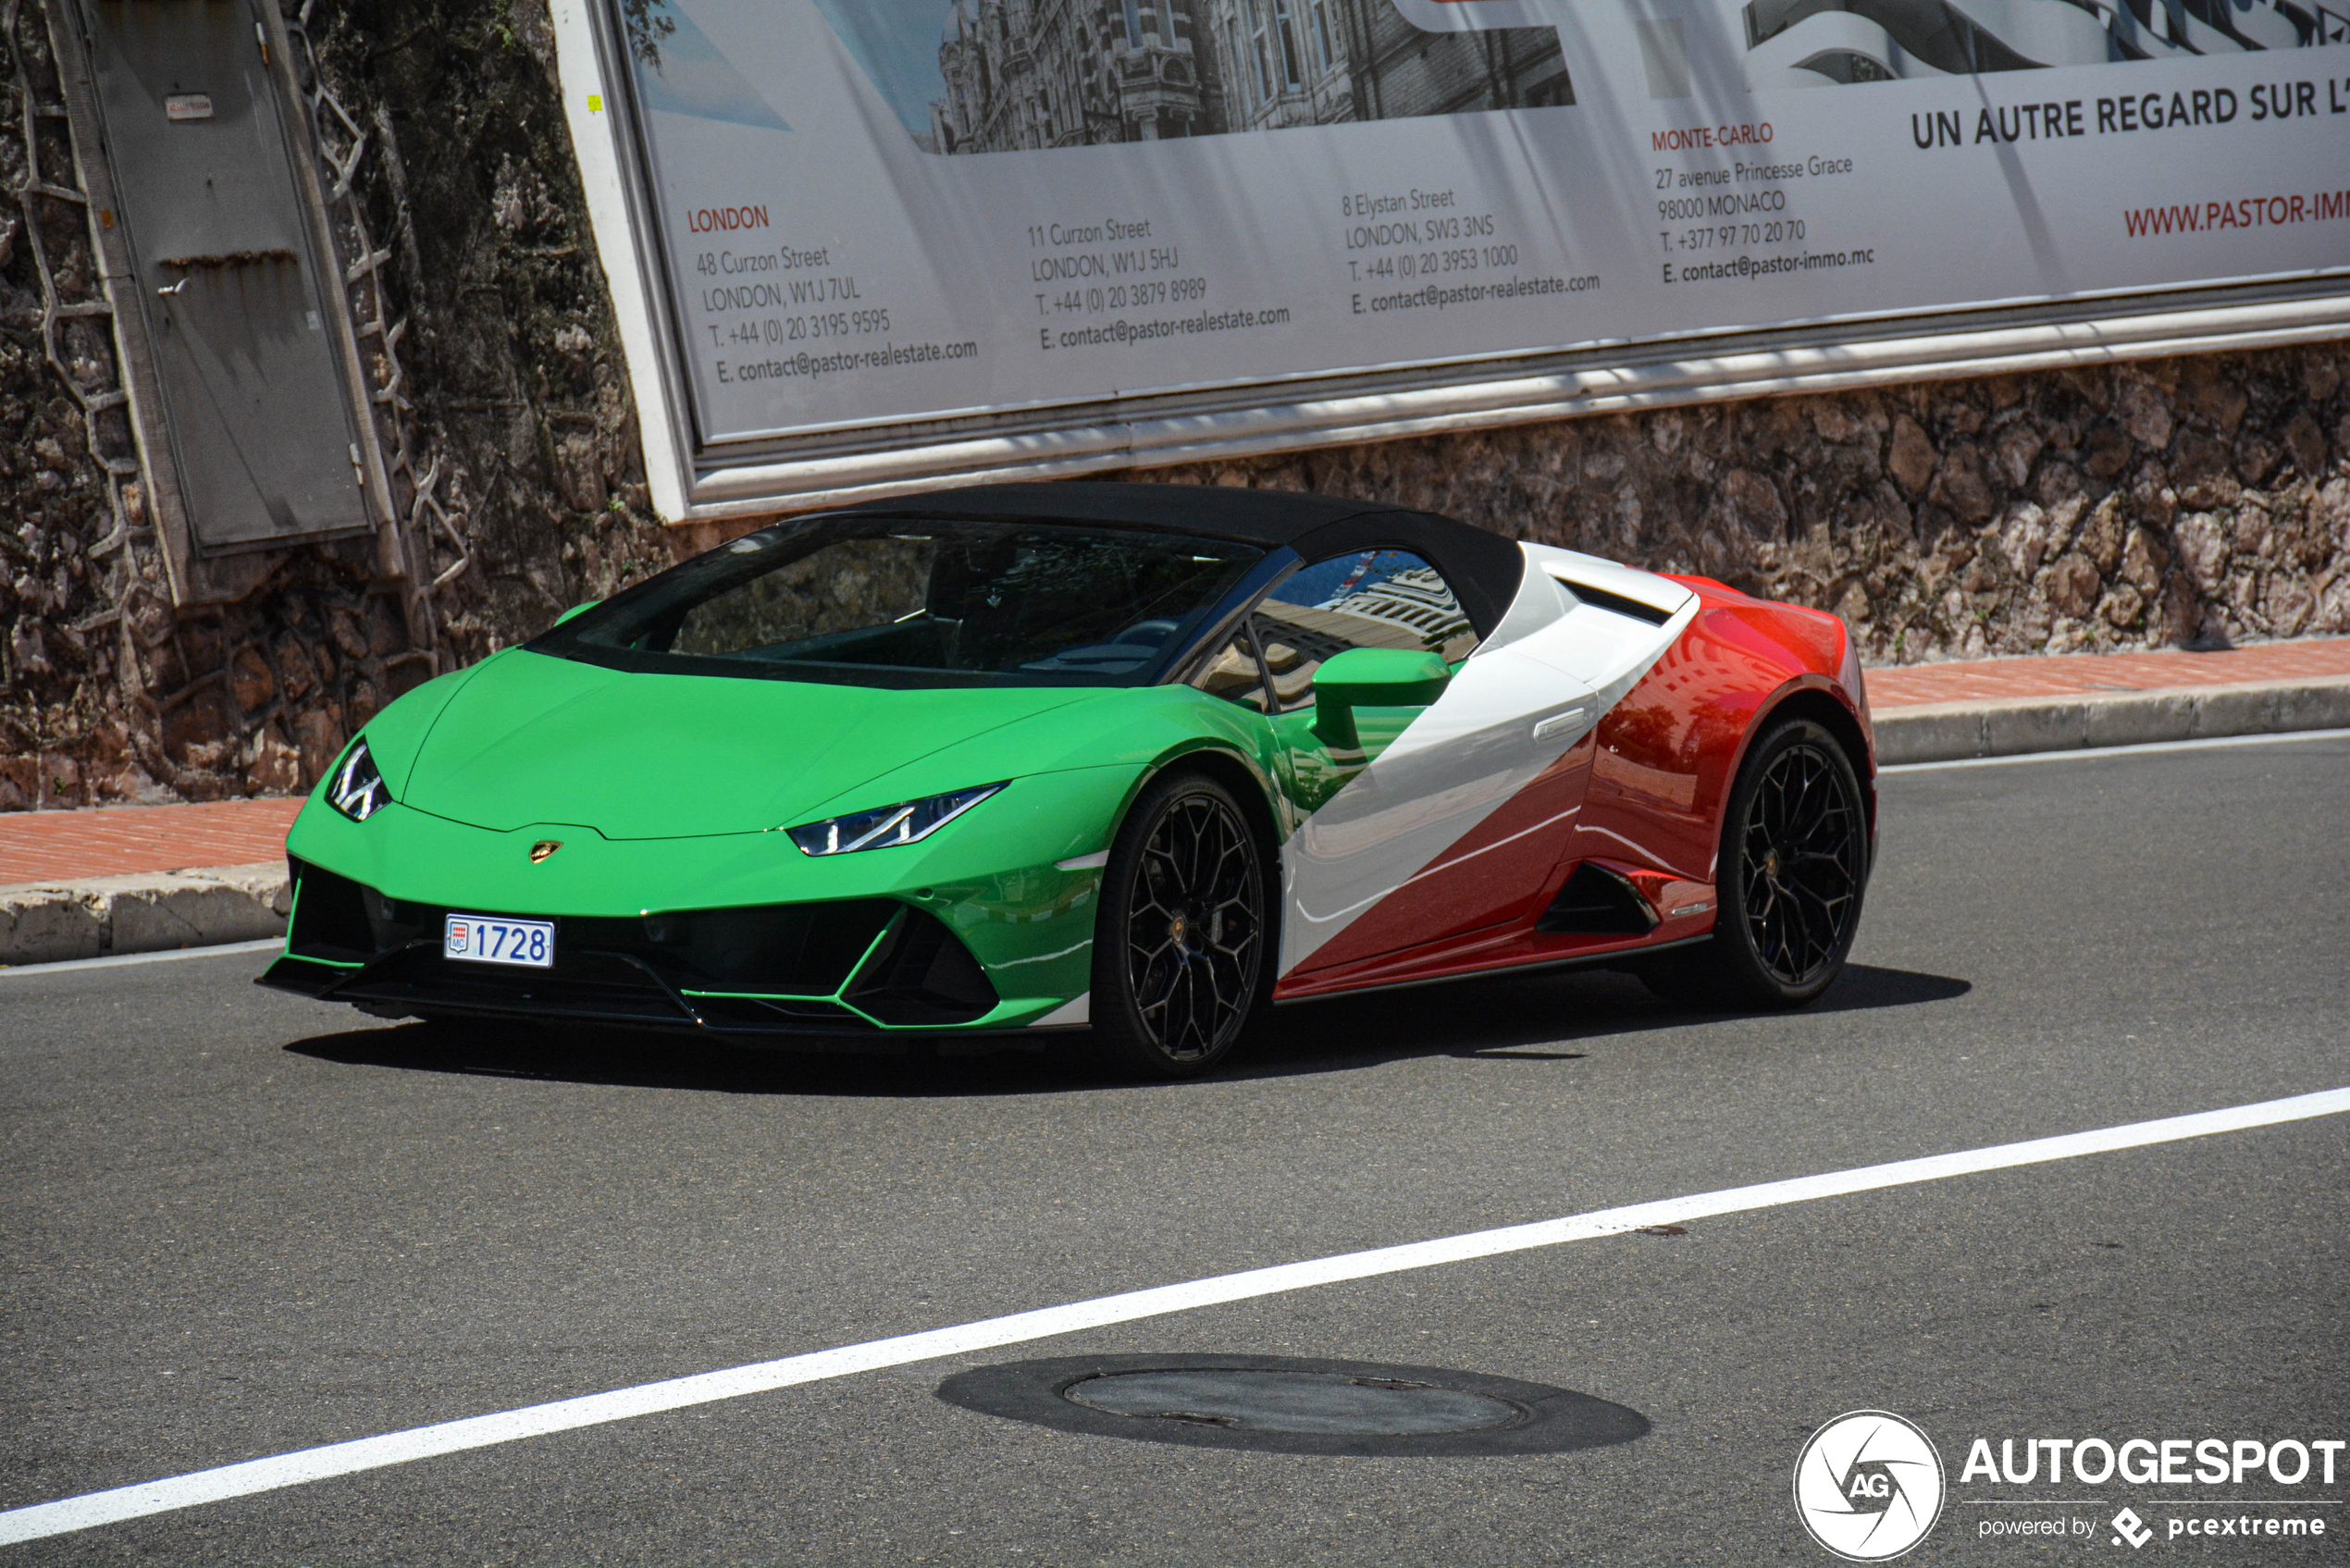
(1177, 927)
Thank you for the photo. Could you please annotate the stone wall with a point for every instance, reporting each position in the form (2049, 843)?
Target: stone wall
(2175, 502)
(504, 379)
(2192, 501)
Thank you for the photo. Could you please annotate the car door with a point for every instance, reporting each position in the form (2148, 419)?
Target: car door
(1423, 818)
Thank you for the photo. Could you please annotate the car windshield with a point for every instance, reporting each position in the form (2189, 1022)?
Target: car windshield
(908, 602)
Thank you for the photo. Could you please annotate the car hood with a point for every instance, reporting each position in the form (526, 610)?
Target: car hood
(533, 738)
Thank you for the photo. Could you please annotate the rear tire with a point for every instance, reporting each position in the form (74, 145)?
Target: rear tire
(1794, 864)
(1180, 958)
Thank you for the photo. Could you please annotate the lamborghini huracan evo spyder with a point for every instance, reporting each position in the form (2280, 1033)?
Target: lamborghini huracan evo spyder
(1147, 758)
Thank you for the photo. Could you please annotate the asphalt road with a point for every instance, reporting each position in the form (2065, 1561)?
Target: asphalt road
(238, 1224)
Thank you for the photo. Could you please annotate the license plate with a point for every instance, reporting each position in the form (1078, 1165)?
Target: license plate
(485, 939)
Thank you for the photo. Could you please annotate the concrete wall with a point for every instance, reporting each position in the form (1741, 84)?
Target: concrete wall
(2162, 503)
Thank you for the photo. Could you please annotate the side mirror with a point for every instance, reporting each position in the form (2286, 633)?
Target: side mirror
(576, 609)
(1372, 677)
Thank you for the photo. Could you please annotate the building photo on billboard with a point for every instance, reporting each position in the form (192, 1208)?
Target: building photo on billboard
(1851, 43)
(1223, 782)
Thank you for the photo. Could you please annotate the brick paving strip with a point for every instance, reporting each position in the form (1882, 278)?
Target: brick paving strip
(2075, 674)
(132, 878)
(114, 840)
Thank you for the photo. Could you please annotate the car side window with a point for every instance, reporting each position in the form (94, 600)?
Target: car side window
(1234, 674)
(1364, 599)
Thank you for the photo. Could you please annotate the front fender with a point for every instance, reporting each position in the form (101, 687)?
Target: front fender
(397, 735)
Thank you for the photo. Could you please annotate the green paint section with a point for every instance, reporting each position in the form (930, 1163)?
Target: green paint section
(1372, 677)
(396, 735)
(989, 875)
(669, 792)
(638, 756)
(285, 949)
(838, 995)
(1312, 771)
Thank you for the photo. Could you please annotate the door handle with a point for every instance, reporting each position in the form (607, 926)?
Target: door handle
(1562, 724)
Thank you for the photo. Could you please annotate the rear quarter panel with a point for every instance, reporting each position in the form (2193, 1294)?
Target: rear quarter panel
(1669, 752)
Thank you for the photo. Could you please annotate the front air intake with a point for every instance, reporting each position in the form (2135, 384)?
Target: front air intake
(921, 974)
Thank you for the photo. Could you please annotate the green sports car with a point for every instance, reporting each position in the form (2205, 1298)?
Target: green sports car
(1137, 760)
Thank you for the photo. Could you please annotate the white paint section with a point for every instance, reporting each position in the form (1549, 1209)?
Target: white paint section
(1607, 651)
(1453, 766)
(1609, 576)
(1537, 603)
(579, 77)
(1504, 718)
(482, 1431)
(1571, 721)
(1076, 1010)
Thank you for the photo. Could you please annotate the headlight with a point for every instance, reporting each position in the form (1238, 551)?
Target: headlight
(905, 823)
(356, 788)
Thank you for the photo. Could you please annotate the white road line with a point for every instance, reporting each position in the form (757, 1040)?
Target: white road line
(620, 1404)
(2081, 753)
(222, 950)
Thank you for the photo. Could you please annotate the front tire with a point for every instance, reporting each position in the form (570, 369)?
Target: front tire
(1794, 864)
(1181, 959)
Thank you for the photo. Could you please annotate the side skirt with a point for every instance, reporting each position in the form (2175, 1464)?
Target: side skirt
(1606, 958)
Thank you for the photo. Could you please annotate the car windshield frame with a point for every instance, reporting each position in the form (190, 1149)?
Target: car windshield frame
(610, 633)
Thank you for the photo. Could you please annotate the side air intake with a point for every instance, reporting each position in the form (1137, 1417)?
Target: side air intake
(1596, 902)
(1600, 598)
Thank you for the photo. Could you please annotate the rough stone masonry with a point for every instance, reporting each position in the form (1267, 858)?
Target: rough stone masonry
(2180, 501)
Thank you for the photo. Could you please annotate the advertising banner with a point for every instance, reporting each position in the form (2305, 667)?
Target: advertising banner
(964, 214)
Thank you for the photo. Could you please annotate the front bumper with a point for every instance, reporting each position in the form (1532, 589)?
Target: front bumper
(974, 930)
(855, 968)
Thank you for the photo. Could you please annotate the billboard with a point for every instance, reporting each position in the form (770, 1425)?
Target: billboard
(873, 243)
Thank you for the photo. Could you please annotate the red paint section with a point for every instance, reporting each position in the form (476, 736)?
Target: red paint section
(1669, 751)
(1514, 946)
(1500, 872)
(1664, 892)
(1653, 779)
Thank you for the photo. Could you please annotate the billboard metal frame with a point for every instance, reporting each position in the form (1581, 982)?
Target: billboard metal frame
(693, 480)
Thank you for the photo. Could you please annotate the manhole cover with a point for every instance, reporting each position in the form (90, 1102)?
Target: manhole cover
(1287, 1405)
(1256, 1400)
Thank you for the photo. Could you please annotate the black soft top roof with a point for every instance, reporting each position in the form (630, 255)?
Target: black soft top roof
(1483, 568)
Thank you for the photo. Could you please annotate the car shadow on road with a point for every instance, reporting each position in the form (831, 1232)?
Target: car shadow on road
(1540, 1019)
(1535, 1018)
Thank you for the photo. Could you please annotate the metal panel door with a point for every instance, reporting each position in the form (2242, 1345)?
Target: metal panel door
(257, 406)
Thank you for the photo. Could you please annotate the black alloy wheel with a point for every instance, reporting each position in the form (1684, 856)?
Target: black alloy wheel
(1793, 867)
(1180, 962)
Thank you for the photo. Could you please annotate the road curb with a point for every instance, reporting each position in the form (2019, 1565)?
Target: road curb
(152, 912)
(1951, 732)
